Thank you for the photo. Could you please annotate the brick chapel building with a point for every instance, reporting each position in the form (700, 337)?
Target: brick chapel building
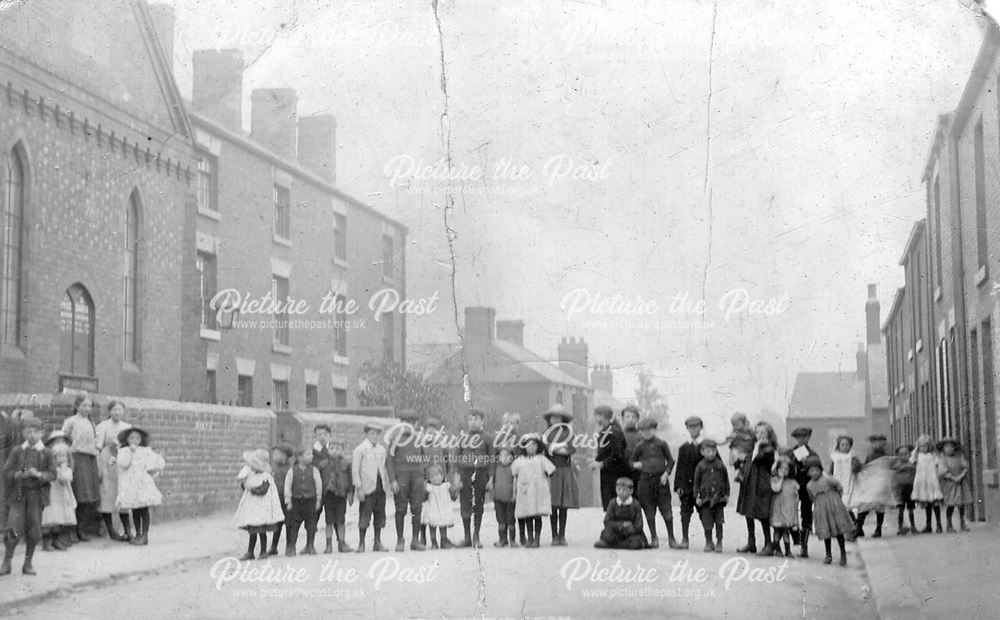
(125, 211)
(96, 200)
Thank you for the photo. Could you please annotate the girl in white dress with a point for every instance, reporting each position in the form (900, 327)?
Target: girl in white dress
(531, 481)
(137, 466)
(437, 512)
(259, 509)
(926, 485)
(844, 466)
(60, 513)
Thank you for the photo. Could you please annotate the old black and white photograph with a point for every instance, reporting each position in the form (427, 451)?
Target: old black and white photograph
(507, 309)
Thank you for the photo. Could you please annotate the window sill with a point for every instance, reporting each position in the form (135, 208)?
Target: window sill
(211, 334)
(282, 241)
(131, 368)
(284, 349)
(340, 360)
(212, 215)
(9, 351)
(340, 262)
(982, 275)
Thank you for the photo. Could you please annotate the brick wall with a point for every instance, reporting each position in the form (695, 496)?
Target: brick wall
(202, 445)
(93, 129)
(246, 246)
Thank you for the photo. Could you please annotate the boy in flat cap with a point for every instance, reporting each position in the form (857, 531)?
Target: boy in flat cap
(28, 473)
(688, 457)
(371, 478)
(652, 459)
(801, 452)
(622, 520)
(711, 491)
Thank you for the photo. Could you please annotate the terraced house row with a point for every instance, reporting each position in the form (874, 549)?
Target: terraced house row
(941, 331)
(126, 209)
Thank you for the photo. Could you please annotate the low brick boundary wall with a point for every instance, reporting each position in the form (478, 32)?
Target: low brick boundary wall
(202, 444)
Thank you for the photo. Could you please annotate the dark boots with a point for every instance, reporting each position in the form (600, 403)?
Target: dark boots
(342, 546)
(503, 537)
(512, 531)
(29, 553)
(879, 520)
(415, 544)
(685, 526)
(804, 537)
(8, 554)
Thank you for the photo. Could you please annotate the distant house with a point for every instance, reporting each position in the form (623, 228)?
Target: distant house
(832, 404)
(846, 403)
(504, 376)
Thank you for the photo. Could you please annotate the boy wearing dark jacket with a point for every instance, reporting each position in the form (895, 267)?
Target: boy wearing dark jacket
(688, 457)
(711, 491)
(28, 473)
(652, 459)
(622, 520)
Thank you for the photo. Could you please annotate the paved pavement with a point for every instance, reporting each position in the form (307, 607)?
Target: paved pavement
(184, 573)
(935, 575)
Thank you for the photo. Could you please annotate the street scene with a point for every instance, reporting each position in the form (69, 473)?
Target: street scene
(577, 309)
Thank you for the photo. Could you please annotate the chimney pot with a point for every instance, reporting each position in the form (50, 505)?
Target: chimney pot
(873, 317)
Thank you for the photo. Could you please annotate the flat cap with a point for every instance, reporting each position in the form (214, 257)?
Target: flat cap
(646, 423)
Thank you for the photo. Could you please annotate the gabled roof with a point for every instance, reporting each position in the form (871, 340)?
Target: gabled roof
(827, 395)
(546, 370)
(916, 233)
(940, 138)
(897, 303)
(162, 67)
(979, 77)
(508, 363)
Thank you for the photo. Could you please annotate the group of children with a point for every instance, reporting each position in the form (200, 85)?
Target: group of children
(42, 503)
(930, 475)
(529, 478)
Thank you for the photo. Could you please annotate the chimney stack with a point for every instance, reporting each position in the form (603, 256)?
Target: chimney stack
(873, 317)
(861, 357)
(601, 379)
(477, 339)
(272, 120)
(318, 145)
(511, 331)
(164, 20)
(573, 359)
(218, 86)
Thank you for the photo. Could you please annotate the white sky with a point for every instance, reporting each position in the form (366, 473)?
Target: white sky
(819, 124)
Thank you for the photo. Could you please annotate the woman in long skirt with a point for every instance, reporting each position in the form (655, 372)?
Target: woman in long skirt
(107, 464)
(559, 449)
(86, 477)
